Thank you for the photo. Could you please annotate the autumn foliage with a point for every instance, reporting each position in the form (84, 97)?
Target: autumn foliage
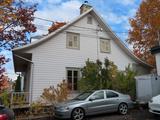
(4, 83)
(145, 27)
(3, 79)
(15, 21)
(56, 26)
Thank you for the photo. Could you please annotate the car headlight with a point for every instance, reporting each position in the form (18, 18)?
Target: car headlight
(65, 108)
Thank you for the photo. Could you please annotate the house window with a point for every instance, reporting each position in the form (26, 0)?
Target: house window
(105, 45)
(73, 40)
(73, 75)
(89, 20)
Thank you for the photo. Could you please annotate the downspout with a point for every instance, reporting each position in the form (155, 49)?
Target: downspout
(31, 76)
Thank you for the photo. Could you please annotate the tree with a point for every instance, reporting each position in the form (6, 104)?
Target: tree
(3, 78)
(18, 84)
(145, 29)
(56, 26)
(97, 75)
(16, 21)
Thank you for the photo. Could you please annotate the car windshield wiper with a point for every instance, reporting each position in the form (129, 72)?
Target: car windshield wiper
(76, 99)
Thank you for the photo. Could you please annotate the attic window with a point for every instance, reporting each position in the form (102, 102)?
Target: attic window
(72, 40)
(89, 20)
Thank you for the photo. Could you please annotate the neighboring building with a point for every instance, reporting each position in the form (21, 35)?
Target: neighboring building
(156, 51)
(62, 53)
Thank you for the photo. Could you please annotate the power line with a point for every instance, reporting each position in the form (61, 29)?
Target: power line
(41, 27)
(44, 19)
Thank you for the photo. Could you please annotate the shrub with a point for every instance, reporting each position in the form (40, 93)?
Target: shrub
(53, 95)
(97, 75)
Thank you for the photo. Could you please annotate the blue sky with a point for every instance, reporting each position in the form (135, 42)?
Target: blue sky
(115, 12)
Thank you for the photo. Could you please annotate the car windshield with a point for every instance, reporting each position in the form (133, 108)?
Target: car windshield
(83, 96)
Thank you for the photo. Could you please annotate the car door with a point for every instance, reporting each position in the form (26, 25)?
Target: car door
(96, 103)
(112, 101)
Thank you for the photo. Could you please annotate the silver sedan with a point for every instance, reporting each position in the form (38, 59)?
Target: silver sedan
(93, 102)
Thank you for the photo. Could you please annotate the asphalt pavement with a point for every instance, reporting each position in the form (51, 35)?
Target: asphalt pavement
(134, 114)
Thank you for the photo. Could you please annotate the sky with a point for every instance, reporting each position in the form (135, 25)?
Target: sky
(116, 14)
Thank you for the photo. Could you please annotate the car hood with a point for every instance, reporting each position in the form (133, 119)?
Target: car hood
(156, 99)
(69, 102)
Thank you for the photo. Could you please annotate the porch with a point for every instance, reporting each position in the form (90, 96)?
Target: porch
(19, 99)
(23, 66)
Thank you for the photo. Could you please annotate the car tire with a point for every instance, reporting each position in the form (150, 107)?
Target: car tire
(123, 109)
(78, 114)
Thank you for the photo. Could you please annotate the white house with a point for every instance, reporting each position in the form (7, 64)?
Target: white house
(62, 53)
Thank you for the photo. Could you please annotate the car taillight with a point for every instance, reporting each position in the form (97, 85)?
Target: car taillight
(129, 97)
(3, 117)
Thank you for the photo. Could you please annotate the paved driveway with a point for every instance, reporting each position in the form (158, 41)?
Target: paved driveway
(142, 114)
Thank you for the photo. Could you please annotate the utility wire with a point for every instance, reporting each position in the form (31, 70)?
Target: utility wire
(78, 26)
(44, 19)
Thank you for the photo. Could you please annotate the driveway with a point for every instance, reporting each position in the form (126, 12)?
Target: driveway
(141, 114)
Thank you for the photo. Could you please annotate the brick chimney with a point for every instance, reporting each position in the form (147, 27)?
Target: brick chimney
(85, 7)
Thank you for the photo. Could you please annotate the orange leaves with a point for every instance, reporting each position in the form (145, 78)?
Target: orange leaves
(4, 83)
(56, 26)
(145, 26)
(16, 19)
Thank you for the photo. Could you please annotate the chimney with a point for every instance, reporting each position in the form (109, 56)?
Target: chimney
(85, 7)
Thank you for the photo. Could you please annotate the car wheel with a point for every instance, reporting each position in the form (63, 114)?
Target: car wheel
(78, 114)
(123, 108)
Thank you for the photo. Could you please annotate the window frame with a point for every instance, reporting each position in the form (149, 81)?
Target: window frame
(89, 20)
(95, 93)
(111, 92)
(72, 81)
(72, 35)
(108, 43)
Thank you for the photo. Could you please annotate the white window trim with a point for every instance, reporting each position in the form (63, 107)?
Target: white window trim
(67, 40)
(79, 75)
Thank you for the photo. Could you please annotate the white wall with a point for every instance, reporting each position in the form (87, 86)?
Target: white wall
(158, 63)
(52, 57)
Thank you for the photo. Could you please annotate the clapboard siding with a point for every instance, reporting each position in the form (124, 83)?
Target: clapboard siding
(52, 57)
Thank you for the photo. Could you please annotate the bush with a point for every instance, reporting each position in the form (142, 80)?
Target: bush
(97, 75)
(125, 82)
(5, 97)
(106, 76)
(53, 95)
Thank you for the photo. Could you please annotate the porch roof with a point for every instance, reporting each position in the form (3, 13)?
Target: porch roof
(21, 61)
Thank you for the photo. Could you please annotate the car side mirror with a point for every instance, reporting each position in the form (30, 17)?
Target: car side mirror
(92, 98)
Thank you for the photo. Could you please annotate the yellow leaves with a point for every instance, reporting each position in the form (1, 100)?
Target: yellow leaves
(145, 25)
(6, 2)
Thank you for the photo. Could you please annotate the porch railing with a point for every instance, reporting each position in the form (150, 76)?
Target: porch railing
(19, 98)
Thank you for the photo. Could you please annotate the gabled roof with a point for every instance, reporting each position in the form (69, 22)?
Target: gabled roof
(105, 27)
